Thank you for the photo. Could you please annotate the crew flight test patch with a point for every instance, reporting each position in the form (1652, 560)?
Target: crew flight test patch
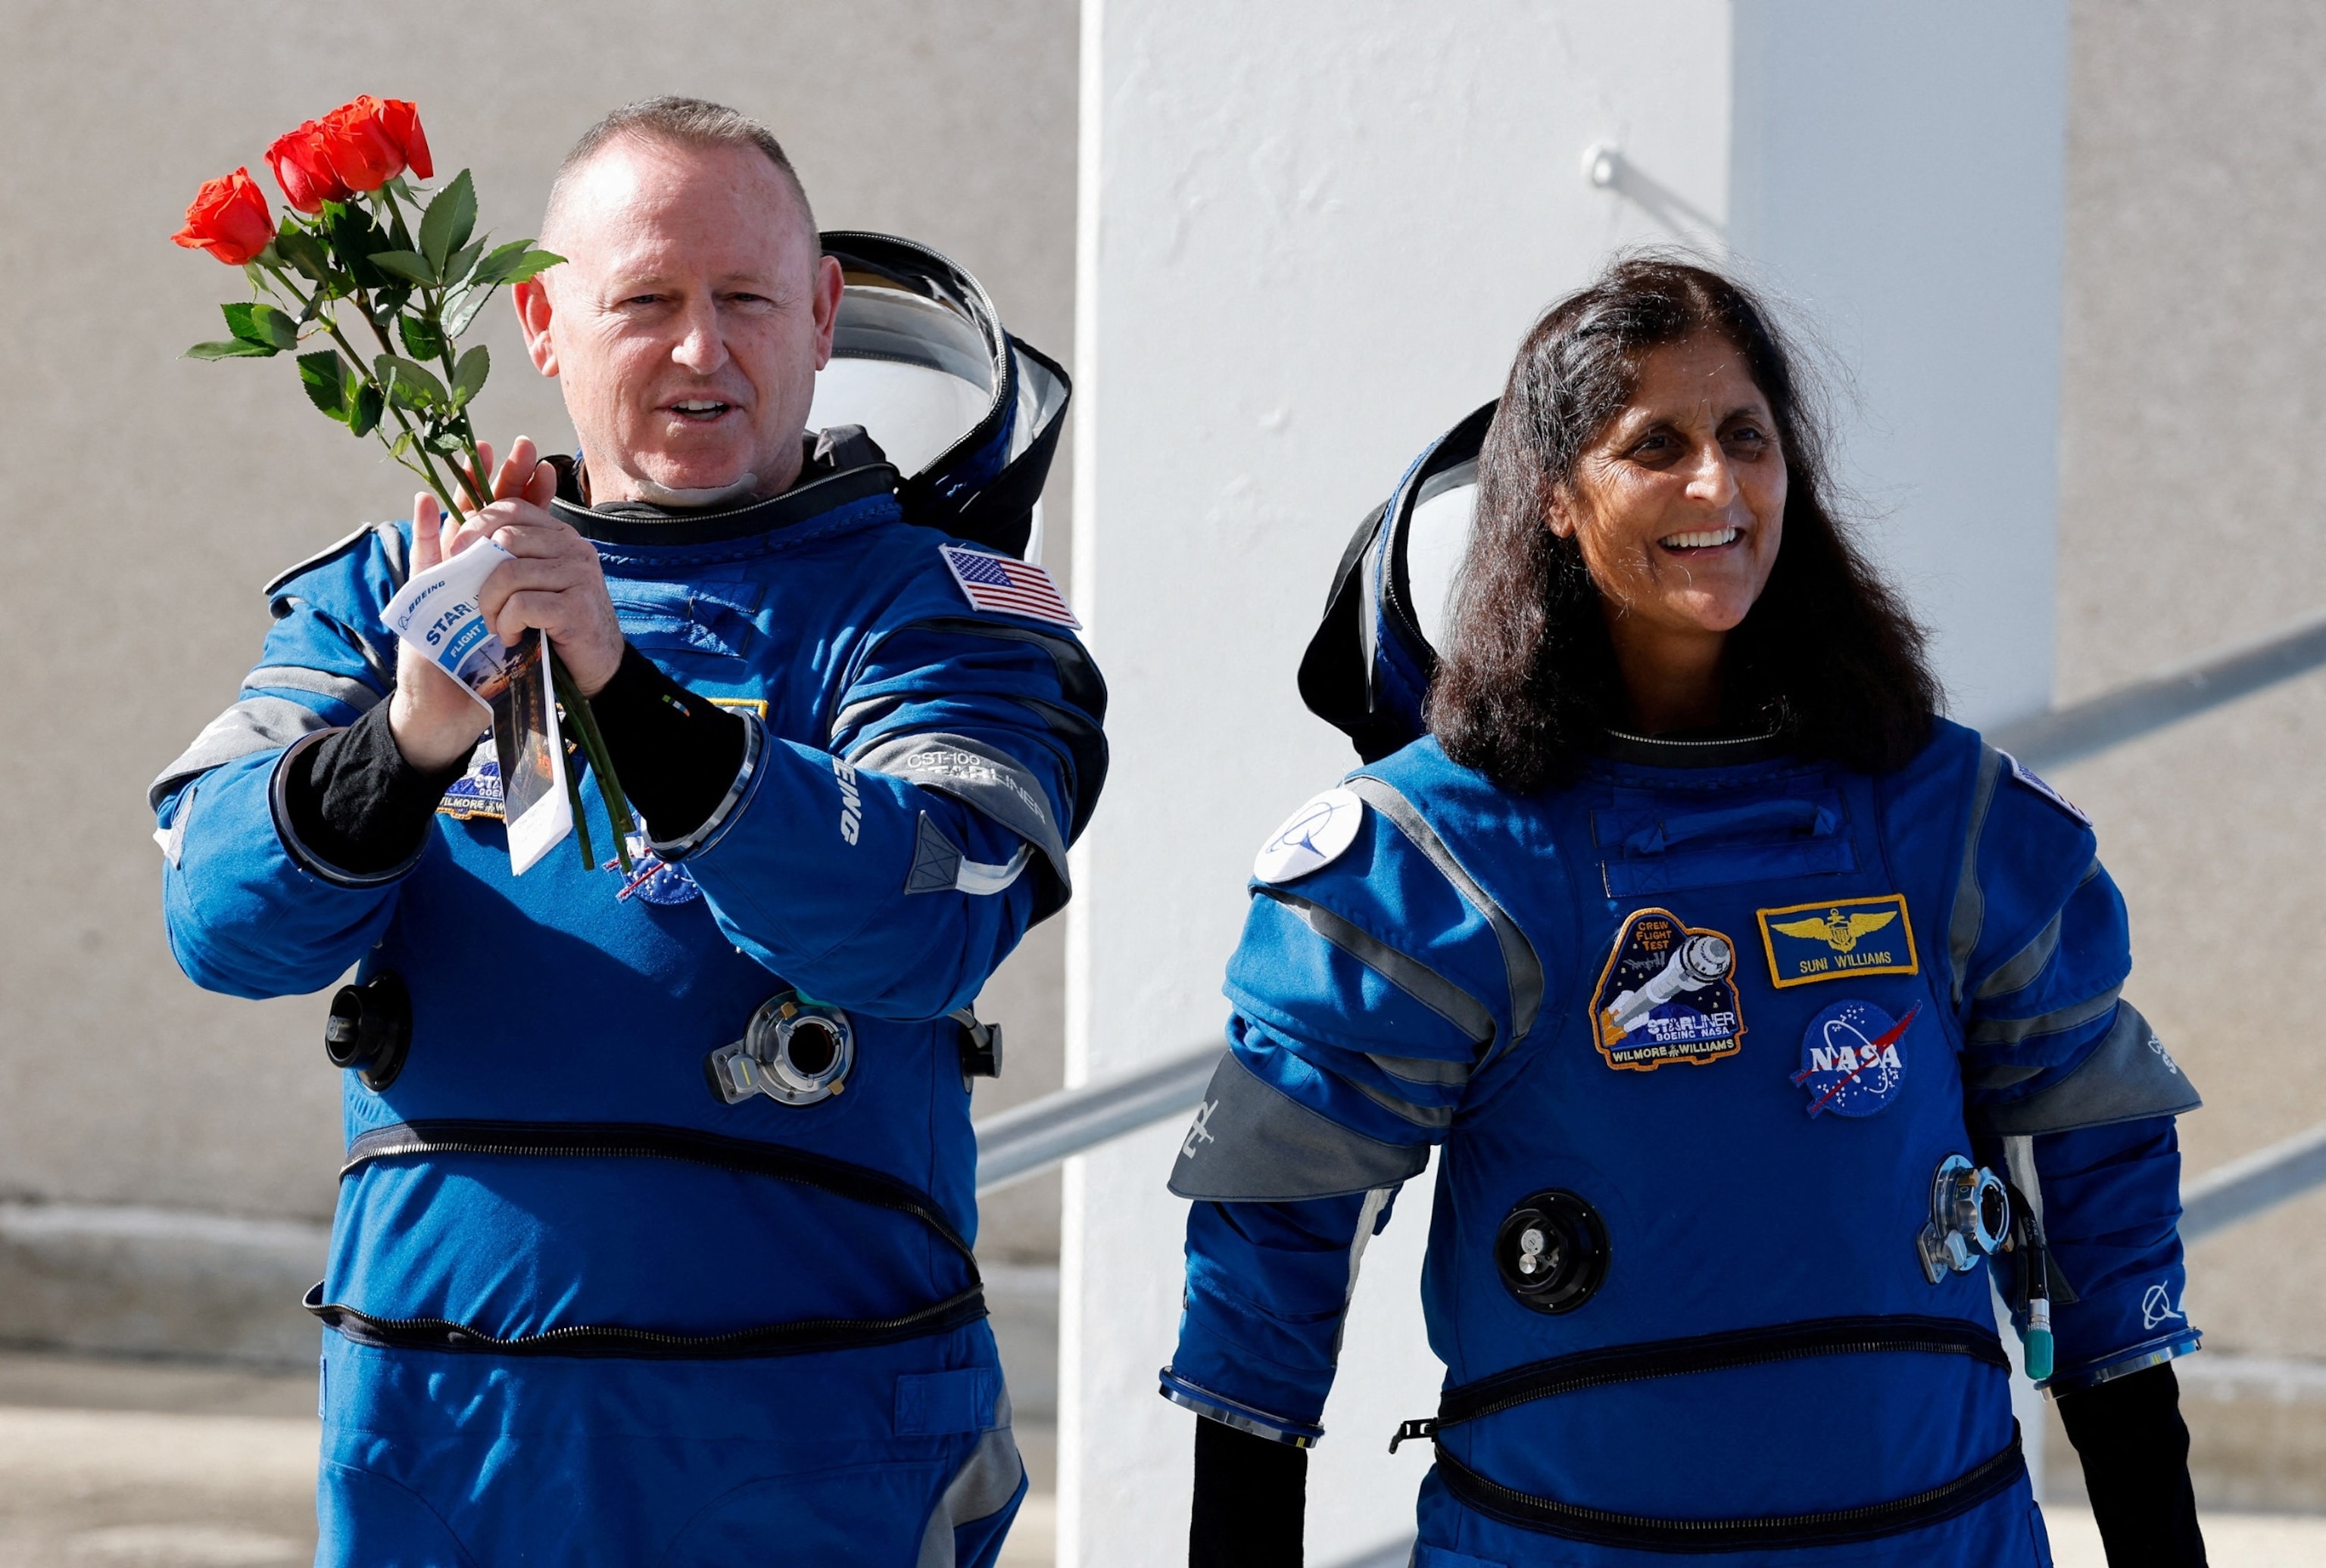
(1668, 993)
(1808, 942)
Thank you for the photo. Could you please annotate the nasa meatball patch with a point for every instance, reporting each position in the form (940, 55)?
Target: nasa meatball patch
(1854, 1058)
(1668, 993)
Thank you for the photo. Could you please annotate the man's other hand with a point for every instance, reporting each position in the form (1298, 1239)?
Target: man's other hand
(554, 582)
(433, 720)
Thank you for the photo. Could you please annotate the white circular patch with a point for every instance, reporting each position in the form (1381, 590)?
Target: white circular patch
(1312, 837)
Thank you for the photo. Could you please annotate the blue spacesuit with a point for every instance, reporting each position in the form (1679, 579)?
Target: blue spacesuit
(597, 1297)
(1742, 1071)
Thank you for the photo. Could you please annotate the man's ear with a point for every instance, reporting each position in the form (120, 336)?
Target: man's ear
(531, 298)
(826, 307)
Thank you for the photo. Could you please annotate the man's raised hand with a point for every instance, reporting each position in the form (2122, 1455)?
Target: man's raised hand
(554, 582)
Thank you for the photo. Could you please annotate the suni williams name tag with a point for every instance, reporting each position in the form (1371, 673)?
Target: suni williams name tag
(436, 615)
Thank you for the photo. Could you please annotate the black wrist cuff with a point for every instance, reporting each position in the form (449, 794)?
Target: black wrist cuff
(677, 753)
(351, 808)
(2134, 1448)
(1252, 1497)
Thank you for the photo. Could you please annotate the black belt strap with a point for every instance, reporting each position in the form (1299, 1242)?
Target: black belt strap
(796, 1338)
(648, 1140)
(1706, 1353)
(1834, 1526)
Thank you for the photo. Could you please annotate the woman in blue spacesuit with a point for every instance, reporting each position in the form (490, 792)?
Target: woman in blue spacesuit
(1758, 1015)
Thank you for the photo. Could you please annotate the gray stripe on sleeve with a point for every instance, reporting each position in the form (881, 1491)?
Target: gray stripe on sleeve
(1252, 1143)
(354, 693)
(1408, 974)
(2015, 1031)
(989, 782)
(254, 724)
(2020, 972)
(1970, 903)
(1520, 963)
(2129, 1075)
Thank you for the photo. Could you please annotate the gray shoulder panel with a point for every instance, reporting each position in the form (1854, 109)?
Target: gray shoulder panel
(252, 725)
(1970, 901)
(989, 782)
(1411, 975)
(1253, 1144)
(2129, 1076)
(1520, 962)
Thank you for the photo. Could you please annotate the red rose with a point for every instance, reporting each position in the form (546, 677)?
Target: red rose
(228, 220)
(401, 121)
(361, 149)
(302, 167)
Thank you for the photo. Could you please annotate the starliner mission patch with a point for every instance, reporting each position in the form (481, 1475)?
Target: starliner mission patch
(1808, 942)
(1668, 993)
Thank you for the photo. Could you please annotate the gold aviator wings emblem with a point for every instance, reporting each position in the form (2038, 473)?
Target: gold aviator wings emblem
(1837, 930)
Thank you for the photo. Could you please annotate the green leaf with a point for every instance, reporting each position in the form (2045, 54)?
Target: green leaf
(450, 220)
(495, 267)
(532, 263)
(409, 265)
(461, 308)
(423, 339)
(324, 375)
(354, 239)
(369, 407)
(256, 323)
(448, 443)
(232, 348)
(411, 385)
(469, 376)
(458, 264)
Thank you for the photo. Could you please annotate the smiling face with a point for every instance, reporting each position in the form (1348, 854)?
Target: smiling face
(1678, 507)
(688, 321)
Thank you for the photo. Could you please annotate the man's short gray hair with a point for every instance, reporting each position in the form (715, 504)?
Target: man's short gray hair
(690, 123)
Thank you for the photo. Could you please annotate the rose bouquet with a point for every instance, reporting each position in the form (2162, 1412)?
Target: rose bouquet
(370, 285)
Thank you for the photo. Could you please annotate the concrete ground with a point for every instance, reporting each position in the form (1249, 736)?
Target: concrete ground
(153, 1465)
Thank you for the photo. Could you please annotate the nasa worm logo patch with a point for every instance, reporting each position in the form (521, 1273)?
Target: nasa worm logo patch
(1668, 993)
(1852, 1058)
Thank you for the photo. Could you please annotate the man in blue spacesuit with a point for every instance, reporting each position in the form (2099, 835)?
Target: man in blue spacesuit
(654, 1241)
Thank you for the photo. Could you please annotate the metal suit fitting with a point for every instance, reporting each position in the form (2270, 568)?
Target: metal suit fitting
(979, 1047)
(1551, 1251)
(1970, 1219)
(795, 1051)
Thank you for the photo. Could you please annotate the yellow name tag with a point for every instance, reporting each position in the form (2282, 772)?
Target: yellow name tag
(1808, 942)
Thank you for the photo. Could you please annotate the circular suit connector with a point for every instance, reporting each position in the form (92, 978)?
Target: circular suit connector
(1553, 1252)
(804, 1051)
(370, 1029)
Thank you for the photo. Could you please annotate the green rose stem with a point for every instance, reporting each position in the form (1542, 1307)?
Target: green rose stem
(593, 746)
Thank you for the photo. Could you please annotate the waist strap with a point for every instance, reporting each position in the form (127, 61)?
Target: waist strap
(798, 1337)
(646, 1140)
(1833, 1527)
(1706, 1353)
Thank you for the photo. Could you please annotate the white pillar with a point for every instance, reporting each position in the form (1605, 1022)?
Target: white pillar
(1312, 234)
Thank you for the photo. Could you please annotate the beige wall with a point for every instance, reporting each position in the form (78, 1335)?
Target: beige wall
(140, 487)
(2190, 517)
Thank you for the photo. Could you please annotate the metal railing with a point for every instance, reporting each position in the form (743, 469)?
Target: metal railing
(1030, 1138)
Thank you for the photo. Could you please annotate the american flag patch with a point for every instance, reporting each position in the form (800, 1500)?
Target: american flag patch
(999, 583)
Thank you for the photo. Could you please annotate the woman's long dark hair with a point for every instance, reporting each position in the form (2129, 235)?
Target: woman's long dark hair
(1529, 684)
